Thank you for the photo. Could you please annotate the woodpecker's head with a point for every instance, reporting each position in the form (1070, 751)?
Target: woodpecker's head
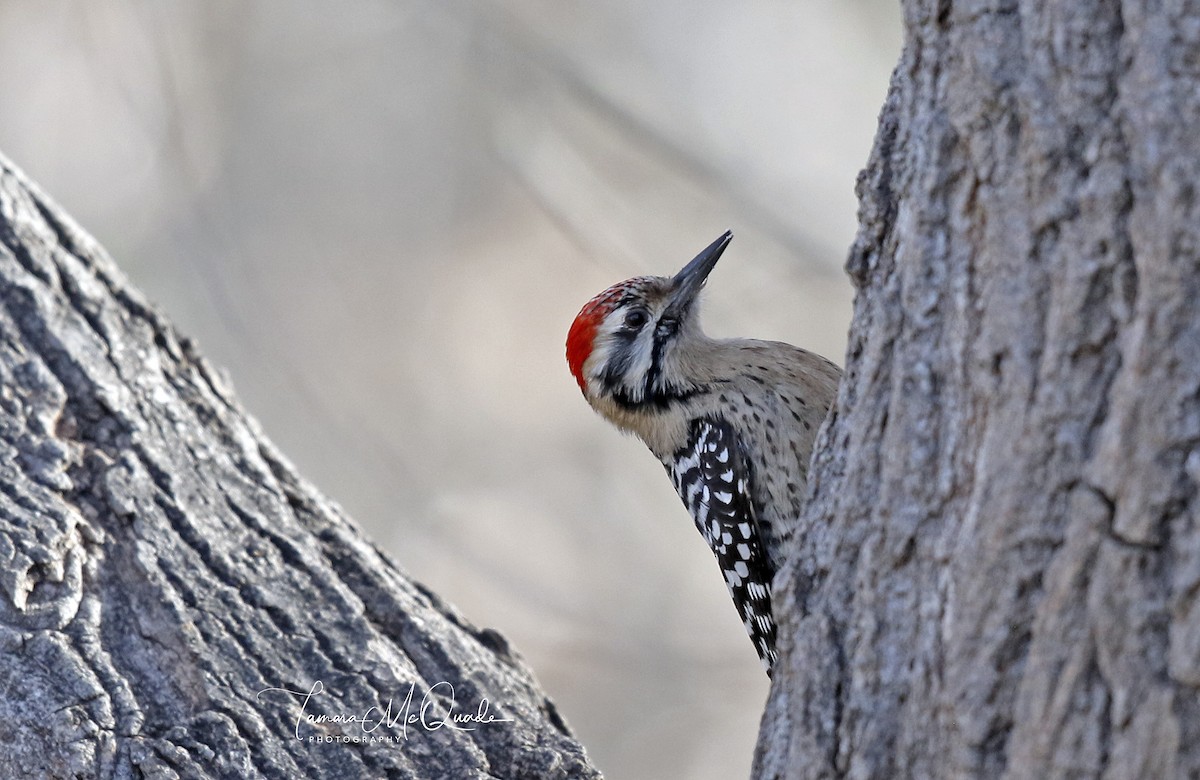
(631, 347)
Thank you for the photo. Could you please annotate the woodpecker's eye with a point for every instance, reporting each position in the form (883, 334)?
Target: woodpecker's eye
(636, 319)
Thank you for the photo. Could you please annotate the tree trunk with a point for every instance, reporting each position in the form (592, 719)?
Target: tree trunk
(1000, 572)
(168, 578)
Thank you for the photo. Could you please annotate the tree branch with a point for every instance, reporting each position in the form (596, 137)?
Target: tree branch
(165, 569)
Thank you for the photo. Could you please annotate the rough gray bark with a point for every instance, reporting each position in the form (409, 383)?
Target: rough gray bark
(1000, 572)
(163, 565)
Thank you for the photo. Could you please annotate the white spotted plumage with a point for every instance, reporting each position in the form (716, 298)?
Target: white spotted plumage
(713, 455)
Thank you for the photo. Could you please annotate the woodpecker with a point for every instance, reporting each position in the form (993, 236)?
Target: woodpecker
(732, 420)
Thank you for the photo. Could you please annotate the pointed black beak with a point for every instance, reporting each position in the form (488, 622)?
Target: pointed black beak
(687, 283)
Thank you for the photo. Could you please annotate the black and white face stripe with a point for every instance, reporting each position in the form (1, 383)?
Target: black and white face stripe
(635, 350)
(712, 476)
(664, 332)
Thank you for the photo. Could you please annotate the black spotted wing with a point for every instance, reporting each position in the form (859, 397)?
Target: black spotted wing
(712, 476)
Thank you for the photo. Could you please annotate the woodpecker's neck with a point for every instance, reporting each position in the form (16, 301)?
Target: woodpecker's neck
(651, 384)
(648, 397)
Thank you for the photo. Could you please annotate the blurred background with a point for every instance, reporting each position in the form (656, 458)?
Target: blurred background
(382, 217)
